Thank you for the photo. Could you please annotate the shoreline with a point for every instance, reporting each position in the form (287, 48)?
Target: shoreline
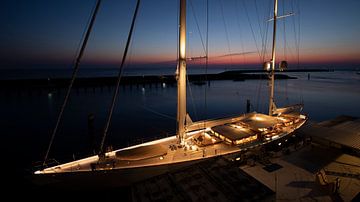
(196, 79)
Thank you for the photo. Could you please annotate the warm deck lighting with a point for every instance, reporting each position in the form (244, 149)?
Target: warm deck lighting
(194, 132)
(207, 135)
(259, 118)
(274, 137)
(282, 119)
(236, 126)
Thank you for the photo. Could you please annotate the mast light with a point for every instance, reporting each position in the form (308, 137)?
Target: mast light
(267, 66)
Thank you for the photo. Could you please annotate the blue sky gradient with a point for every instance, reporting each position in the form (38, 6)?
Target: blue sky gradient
(47, 33)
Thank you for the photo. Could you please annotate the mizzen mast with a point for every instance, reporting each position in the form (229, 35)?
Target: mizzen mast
(181, 108)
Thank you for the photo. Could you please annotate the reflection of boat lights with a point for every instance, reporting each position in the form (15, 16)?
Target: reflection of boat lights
(164, 85)
(49, 95)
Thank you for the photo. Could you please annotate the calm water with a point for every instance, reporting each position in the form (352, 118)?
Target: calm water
(96, 72)
(145, 112)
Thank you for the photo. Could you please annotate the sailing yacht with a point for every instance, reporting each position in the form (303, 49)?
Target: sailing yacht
(194, 141)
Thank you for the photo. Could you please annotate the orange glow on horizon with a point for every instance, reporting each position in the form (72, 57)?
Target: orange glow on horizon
(307, 57)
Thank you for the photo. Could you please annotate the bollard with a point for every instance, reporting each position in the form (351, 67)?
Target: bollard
(247, 106)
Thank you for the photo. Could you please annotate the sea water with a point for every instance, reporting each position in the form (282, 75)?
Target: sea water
(145, 112)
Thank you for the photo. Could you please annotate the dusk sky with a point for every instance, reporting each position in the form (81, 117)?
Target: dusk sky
(42, 33)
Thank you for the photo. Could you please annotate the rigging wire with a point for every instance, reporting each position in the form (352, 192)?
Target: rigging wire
(206, 62)
(204, 46)
(296, 34)
(240, 32)
(285, 51)
(74, 73)
(197, 25)
(258, 18)
(112, 106)
(265, 38)
(191, 96)
(177, 56)
(298, 49)
(252, 30)
(264, 42)
(297, 40)
(190, 56)
(226, 31)
(158, 113)
(263, 32)
(187, 79)
(284, 28)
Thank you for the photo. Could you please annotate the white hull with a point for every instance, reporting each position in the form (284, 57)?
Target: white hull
(107, 178)
(125, 174)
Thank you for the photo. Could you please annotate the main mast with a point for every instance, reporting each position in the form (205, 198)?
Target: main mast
(181, 108)
(272, 71)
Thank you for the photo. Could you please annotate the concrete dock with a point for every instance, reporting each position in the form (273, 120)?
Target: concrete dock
(287, 173)
(214, 180)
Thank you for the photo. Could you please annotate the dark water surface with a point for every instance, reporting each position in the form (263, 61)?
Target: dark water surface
(146, 112)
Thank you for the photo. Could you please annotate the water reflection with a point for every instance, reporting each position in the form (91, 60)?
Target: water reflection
(145, 111)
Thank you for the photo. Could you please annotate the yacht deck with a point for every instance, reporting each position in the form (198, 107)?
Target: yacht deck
(168, 151)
